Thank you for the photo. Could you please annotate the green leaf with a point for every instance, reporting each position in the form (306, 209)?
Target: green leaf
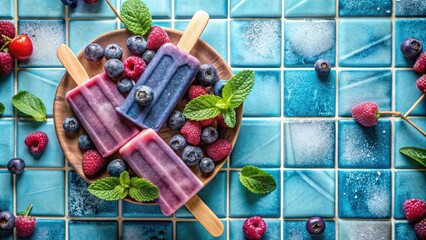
(202, 108)
(108, 189)
(136, 16)
(142, 190)
(238, 88)
(416, 153)
(125, 179)
(257, 180)
(1, 108)
(30, 104)
(229, 117)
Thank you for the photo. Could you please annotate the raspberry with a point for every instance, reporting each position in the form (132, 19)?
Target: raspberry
(6, 64)
(156, 38)
(7, 29)
(36, 142)
(221, 121)
(207, 122)
(191, 130)
(219, 150)
(254, 228)
(195, 91)
(134, 67)
(414, 209)
(366, 114)
(420, 64)
(93, 162)
(25, 224)
(421, 83)
(420, 229)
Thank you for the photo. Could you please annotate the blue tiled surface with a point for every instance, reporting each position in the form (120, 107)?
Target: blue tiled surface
(408, 184)
(92, 230)
(39, 9)
(6, 199)
(158, 8)
(7, 90)
(407, 136)
(187, 8)
(147, 230)
(194, 230)
(7, 128)
(361, 8)
(291, 231)
(408, 93)
(244, 8)
(404, 231)
(6, 11)
(48, 229)
(83, 31)
(366, 230)
(405, 28)
(272, 232)
(131, 210)
(309, 8)
(407, 8)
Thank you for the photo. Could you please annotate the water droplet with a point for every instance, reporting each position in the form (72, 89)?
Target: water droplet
(356, 196)
(378, 8)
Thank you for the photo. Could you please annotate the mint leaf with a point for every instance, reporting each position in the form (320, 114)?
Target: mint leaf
(202, 108)
(238, 88)
(30, 104)
(142, 190)
(125, 179)
(229, 117)
(136, 16)
(108, 189)
(416, 153)
(256, 180)
(1, 108)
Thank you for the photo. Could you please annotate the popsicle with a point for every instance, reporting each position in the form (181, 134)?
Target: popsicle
(169, 74)
(94, 102)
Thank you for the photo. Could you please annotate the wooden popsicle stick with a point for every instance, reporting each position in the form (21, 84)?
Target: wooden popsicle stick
(72, 65)
(205, 216)
(193, 31)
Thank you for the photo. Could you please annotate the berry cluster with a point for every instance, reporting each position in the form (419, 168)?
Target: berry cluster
(23, 223)
(415, 212)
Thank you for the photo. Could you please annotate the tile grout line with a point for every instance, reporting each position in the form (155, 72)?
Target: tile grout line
(228, 164)
(282, 133)
(336, 127)
(393, 98)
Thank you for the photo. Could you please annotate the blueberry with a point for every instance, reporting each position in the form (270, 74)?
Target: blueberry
(114, 68)
(218, 87)
(144, 95)
(177, 143)
(113, 51)
(125, 85)
(136, 44)
(116, 167)
(71, 125)
(207, 75)
(16, 166)
(206, 165)
(7, 220)
(176, 120)
(84, 142)
(315, 226)
(322, 67)
(70, 3)
(94, 52)
(411, 48)
(148, 55)
(209, 134)
(191, 155)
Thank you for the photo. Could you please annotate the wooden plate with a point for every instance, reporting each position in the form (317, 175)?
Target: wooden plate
(69, 144)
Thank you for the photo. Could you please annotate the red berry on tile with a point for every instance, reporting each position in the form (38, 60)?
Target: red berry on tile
(420, 229)
(6, 64)
(254, 228)
(414, 209)
(21, 47)
(207, 122)
(421, 83)
(195, 91)
(156, 38)
(134, 67)
(93, 162)
(366, 114)
(7, 29)
(219, 149)
(420, 64)
(25, 224)
(36, 142)
(191, 131)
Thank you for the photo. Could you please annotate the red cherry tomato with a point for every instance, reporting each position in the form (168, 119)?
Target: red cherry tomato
(21, 47)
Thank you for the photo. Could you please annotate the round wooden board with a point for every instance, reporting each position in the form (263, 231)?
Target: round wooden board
(69, 144)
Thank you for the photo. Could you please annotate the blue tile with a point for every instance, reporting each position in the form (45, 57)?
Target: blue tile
(132, 210)
(147, 230)
(92, 230)
(49, 157)
(309, 8)
(404, 231)
(100, 9)
(309, 144)
(159, 8)
(251, 9)
(43, 33)
(364, 8)
(407, 8)
(167, 24)
(364, 194)
(194, 230)
(305, 41)
(369, 86)
(44, 189)
(81, 203)
(407, 93)
(273, 229)
(6, 235)
(405, 28)
(214, 195)
(405, 136)
(370, 48)
(243, 203)
(408, 184)
(7, 9)
(362, 147)
(48, 229)
(215, 34)
(7, 90)
(265, 98)
(82, 32)
(261, 37)
(309, 193)
(6, 188)
(365, 230)
(296, 230)
(306, 94)
(40, 9)
(7, 144)
(258, 144)
(187, 8)
(41, 82)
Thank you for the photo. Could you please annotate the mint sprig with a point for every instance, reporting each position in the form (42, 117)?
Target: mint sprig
(30, 104)
(256, 180)
(114, 188)
(136, 16)
(415, 153)
(234, 93)
(1, 108)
